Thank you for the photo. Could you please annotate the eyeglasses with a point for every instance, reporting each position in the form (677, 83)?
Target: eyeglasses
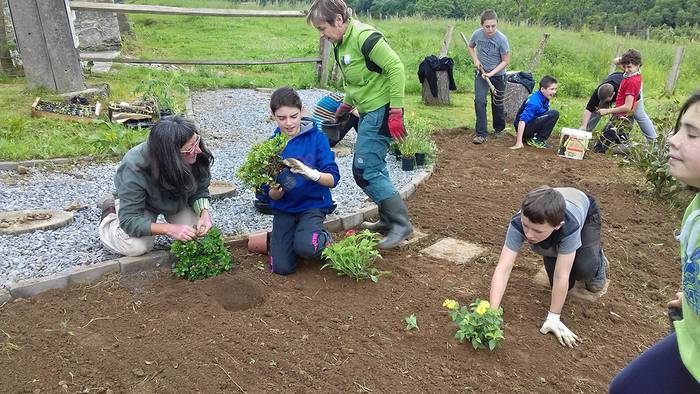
(194, 146)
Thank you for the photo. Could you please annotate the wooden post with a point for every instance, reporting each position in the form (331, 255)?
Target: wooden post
(443, 79)
(615, 29)
(675, 71)
(647, 34)
(613, 66)
(324, 52)
(538, 54)
(45, 40)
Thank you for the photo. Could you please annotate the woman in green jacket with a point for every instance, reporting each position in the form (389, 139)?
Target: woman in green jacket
(169, 174)
(374, 83)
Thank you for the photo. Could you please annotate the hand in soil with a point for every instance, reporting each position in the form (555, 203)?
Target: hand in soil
(555, 326)
(516, 146)
(677, 302)
(204, 223)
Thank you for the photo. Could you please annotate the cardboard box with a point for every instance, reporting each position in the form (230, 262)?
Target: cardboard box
(573, 143)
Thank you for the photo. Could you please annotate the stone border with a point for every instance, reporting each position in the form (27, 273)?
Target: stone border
(12, 165)
(86, 274)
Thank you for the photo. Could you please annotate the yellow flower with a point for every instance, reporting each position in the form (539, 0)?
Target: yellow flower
(482, 307)
(450, 304)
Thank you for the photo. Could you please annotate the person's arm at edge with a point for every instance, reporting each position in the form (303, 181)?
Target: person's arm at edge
(560, 283)
(499, 280)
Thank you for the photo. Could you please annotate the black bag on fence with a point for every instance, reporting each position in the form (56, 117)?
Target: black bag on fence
(524, 78)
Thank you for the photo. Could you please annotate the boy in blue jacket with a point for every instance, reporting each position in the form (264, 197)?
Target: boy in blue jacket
(302, 201)
(535, 121)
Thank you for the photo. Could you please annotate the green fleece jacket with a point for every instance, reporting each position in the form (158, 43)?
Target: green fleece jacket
(138, 192)
(365, 89)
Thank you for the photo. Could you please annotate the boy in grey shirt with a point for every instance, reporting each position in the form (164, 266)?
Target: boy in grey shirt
(490, 53)
(563, 226)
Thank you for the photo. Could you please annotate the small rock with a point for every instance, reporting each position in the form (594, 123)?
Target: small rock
(22, 170)
(345, 327)
(588, 313)
(335, 320)
(138, 372)
(542, 380)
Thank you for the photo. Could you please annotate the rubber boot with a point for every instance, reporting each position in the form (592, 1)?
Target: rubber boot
(397, 215)
(381, 226)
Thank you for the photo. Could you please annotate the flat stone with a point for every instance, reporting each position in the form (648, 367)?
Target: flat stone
(5, 296)
(86, 274)
(415, 237)
(341, 150)
(31, 287)
(353, 220)
(334, 225)
(148, 262)
(19, 222)
(221, 189)
(579, 291)
(455, 250)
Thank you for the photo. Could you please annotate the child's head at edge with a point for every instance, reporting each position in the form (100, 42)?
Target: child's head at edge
(543, 211)
(286, 108)
(630, 61)
(684, 144)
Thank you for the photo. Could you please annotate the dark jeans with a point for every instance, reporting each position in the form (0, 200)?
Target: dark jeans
(296, 235)
(614, 133)
(542, 126)
(481, 88)
(658, 370)
(589, 256)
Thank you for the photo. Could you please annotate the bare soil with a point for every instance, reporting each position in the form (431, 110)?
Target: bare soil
(252, 331)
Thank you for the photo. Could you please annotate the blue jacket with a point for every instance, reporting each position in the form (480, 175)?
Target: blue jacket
(310, 147)
(536, 105)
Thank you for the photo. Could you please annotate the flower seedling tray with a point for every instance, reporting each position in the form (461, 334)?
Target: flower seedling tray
(61, 111)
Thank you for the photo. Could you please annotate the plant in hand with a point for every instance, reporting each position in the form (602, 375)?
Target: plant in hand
(354, 256)
(202, 257)
(478, 323)
(411, 322)
(263, 163)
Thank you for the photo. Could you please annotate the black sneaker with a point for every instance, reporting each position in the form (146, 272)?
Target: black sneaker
(479, 140)
(597, 282)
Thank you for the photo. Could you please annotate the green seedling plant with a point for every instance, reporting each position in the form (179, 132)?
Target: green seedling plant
(201, 258)
(354, 256)
(411, 322)
(116, 138)
(160, 91)
(263, 162)
(478, 323)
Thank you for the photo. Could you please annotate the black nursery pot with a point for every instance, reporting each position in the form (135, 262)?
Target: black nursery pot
(397, 152)
(408, 163)
(331, 129)
(420, 159)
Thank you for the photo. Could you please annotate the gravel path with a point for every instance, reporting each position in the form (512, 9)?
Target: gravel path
(232, 120)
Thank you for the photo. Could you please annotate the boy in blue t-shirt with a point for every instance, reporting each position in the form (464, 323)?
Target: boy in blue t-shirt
(535, 121)
(302, 201)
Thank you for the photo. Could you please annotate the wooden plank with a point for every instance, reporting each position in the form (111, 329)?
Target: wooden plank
(324, 51)
(163, 10)
(675, 71)
(446, 41)
(538, 54)
(31, 44)
(65, 61)
(202, 62)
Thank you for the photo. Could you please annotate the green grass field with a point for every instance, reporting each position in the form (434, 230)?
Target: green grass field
(578, 59)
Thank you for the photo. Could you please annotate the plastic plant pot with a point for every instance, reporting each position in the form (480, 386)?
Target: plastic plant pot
(331, 129)
(420, 159)
(408, 163)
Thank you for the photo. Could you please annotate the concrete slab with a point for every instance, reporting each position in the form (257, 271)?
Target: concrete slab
(353, 220)
(19, 222)
(579, 291)
(221, 189)
(148, 262)
(100, 67)
(87, 274)
(31, 287)
(5, 296)
(455, 250)
(334, 224)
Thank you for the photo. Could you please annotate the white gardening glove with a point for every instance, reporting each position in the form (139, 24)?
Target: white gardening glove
(302, 169)
(554, 325)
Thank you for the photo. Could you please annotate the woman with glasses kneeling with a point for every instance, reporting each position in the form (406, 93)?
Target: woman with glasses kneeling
(168, 174)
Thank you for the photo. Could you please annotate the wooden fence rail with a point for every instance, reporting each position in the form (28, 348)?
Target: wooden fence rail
(163, 10)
